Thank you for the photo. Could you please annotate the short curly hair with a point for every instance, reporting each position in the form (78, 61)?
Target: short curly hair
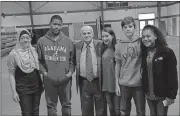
(56, 17)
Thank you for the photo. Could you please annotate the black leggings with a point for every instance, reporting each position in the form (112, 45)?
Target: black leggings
(29, 104)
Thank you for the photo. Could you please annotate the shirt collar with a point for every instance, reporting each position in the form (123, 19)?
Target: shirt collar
(90, 44)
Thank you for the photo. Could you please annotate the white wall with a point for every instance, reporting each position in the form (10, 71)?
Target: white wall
(67, 18)
(51, 6)
(174, 10)
(14, 7)
(109, 15)
(65, 6)
(170, 11)
(165, 11)
(116, 26)
(141, 3)
(15, 20)
(120, 14)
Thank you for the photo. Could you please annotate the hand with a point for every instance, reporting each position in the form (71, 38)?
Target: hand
(15, 97)
(69, 74)
(45, 74)
(118, 93)
(41, 76)
(169, 101)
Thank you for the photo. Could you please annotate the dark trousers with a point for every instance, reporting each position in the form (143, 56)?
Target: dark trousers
(157, 108)
(127, 93)
(91, 95)
(52, 92)
(29, 104)
(113, 102)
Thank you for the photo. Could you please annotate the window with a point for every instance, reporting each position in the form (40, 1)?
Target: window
(123, 3)
(107, 25)
(145, 19)
(150, 22)
(110, 4)
(116, 4)
(142, 24)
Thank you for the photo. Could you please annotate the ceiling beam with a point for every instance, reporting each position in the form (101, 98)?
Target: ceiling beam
(92, 10)
(31, 14)
(102, 13)
(95, 5)
(40, 7)
(90, 22)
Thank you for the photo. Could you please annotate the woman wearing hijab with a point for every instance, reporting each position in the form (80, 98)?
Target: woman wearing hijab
(25, 80)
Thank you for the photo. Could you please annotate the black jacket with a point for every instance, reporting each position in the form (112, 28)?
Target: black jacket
(164, 67)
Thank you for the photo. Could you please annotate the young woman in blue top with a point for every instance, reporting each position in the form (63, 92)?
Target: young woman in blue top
(108, 64)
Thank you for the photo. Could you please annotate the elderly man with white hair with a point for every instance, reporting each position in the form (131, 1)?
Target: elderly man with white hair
(88, 72)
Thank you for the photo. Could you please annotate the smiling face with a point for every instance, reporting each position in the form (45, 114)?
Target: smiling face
(87, 33)
(55, 26)
(148, 38)
(107, 38)
(129, 29)
(25, 40)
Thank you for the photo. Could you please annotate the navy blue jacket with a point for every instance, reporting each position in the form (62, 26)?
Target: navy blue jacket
(165, 79)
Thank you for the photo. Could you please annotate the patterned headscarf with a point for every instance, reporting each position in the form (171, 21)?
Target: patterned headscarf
(26, 59)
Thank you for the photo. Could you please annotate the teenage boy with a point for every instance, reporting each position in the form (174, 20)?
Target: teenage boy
(127, 69)
(55, 52)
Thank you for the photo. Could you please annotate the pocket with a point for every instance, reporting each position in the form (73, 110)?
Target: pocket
(85, 85)
(158, 66)
(66, 70)
(95, 87)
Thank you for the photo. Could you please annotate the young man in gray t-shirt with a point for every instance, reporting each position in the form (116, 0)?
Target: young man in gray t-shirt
(127, 70)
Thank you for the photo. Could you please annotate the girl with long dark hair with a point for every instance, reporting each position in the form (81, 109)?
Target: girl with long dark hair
(108, 64)
(159, 71)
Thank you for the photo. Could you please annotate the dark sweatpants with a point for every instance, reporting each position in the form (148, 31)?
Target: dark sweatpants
(52, 92)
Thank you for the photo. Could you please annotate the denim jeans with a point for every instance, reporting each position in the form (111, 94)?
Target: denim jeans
(113, 102)
(91, 96)
(157, 108)
(127, 93)
(52, 92)
(29, 104)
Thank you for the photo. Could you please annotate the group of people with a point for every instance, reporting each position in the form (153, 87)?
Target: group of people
(107, 72)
